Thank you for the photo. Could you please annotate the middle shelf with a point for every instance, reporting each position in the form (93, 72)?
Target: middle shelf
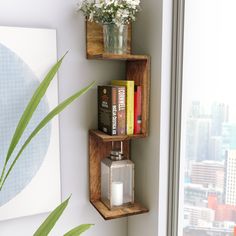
(109, 138)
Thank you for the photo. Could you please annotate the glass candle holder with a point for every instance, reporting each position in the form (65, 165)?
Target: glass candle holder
(117, 181)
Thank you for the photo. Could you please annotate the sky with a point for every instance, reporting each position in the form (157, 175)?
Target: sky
(209, 69)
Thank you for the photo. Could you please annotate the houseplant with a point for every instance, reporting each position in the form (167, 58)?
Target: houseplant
(114, 15)
(49, 223)
(51, 220)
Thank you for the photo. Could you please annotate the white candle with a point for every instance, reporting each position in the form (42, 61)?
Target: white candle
(117, 193)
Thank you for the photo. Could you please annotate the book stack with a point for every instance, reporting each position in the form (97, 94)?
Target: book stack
(119, 108)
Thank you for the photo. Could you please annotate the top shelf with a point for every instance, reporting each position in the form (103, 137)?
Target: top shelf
(95, 48)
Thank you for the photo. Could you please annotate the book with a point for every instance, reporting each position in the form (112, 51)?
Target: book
(137, 110)
(111, 111)
(121, 110)
(129, 84)
(107, 109)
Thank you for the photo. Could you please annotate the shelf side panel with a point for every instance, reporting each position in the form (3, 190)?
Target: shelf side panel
(94, 39)
(139, 71)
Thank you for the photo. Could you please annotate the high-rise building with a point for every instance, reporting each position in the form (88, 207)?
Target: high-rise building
(230, 178)
(215, 148)
(228, 136)
(220, 115)
(208, 174)
(197, 138)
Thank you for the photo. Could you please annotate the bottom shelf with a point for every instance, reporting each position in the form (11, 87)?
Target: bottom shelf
(118, 213)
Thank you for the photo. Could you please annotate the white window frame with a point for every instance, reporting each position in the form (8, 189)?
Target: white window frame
(175, 118)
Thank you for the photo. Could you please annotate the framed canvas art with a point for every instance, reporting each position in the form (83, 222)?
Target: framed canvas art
(33, 186)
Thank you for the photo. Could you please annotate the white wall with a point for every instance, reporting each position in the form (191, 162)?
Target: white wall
(153, 29)
(150, 155)
(76, 72)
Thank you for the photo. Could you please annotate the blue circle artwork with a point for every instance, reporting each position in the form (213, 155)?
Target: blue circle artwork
(17, 85)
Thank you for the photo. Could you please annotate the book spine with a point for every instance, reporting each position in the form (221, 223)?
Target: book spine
(130, 108)
(137, 110)
(129, 103)
(114, 111)
(121, 118)
(107, 109)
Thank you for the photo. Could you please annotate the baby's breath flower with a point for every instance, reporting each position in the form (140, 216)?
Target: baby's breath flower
(109, 11)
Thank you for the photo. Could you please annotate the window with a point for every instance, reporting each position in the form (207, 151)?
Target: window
(203, 150)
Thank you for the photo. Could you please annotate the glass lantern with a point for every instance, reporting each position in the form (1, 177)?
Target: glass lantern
(117, 180)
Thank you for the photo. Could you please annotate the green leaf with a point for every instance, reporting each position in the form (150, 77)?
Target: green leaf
(29, 111)
(48, 118)
(78, 230)
(51, 220)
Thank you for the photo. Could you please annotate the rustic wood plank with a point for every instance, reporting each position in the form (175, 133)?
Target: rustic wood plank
(117, 213)
(94, 39)
(109, 138)
(139, 71)
(123, 57)
(99, 150)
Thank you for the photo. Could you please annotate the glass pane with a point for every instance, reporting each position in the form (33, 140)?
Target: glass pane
(207, 197)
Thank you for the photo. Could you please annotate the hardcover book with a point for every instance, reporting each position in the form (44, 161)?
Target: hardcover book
(121, 110)
(137, 110)
(111, 109)
(129, 84)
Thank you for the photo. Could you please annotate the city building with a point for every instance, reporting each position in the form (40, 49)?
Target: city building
(199, 216)
(230, 178)
(208, 174)
(197, 195)
(220, 115)
(197, 138)
(215, 148)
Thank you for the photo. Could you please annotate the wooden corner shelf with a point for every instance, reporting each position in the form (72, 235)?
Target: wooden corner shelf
(118, 213)
(98, 150)
(100, 144)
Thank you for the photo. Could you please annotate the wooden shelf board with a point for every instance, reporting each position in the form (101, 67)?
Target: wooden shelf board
(109, 138)
(118, 213)
(123, 57)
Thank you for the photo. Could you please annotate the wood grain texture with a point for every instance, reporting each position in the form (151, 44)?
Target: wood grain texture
(109, 138)
(117, 213)
(123, 57)
(94, 39)
(139, 71)
(99, 150)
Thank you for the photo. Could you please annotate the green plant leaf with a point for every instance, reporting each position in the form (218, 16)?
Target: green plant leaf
(29, 111)
(78, 230)
(51, 220)
(48, 118)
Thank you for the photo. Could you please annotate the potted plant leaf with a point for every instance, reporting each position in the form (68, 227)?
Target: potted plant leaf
(49, 223)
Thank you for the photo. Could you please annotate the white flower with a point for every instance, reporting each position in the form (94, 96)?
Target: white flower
(133, 2)
(109, 2)
(79, 5)
(98, 5)
(109, 11)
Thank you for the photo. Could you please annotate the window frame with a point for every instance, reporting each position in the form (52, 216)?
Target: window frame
(175, 115)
